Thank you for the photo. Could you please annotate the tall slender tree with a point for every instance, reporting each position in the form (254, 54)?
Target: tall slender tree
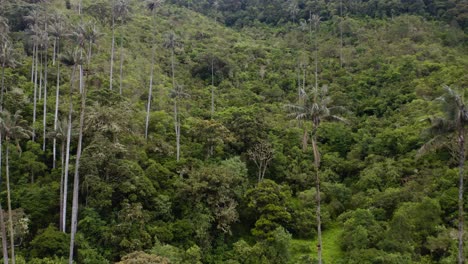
(448, 129)
(7, 59)
(152, 6)
(113, 13)
(71, 58)
(122, 10)
(4, 44)
(314, 108)
(76, 179)
(57, 30)
(13, 128)
(171, 42)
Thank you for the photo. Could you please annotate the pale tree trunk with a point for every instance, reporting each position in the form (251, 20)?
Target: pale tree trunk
(316, 56)
(10, 217)
(55, 51)
(76, 181)
(317, 196)
(3, 85)
(121, 61)
(33, 61)
(176, 111)
(150, 93)
(40, 74)
(212, 91)
(44, 120)
(2, 218)
(112, 50)
(341, 33)
(177, 129)
(61, 227)
(67, 153)
(461, 222)
(57, 95)
(35, 97)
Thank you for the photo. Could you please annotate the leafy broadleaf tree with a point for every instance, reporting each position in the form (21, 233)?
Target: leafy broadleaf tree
(446, 130)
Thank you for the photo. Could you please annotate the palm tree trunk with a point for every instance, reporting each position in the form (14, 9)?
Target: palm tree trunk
(61, 227)
(150, 93)
(33, 61)
(40, 75)
(10, 218)
(317, 196)
(55, 51)
(212, 89)
(461, 222)
(44, 120)
(112, 51)
(4, 236)
(176, 112)
(35, 96)
(57, 95)
(121, 63)
(67, 153)
(316, 56)
(3, 85)
(341, 33)
(76, 180)
(2, 218)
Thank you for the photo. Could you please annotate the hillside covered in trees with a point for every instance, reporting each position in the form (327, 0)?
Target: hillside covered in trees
(233, 131)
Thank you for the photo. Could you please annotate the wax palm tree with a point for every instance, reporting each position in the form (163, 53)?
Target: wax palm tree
(76, 178)
(4, 27)
(60, 133)
(152, 6)
(71, 58)
(314, 108)
(58, 29)
(446, 130)
(7, 59)
(122, 10)
(13, 128)
(171, 42)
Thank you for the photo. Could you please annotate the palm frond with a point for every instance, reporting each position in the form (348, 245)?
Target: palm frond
(433, 144)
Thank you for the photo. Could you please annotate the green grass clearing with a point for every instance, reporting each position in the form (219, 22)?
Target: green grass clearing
(301, 248)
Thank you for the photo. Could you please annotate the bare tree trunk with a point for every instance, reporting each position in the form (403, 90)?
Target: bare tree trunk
(3, 85)
(10, 217)
(461, 222)
(212, 91)
(150, 93)
(33, 61)
(121, 63)
(112, 49)
(44, 120)
(341, 33)
(55, 51)
(57, 95)
(316, 56)
(2, 218)
(317, 196)
(35, 97)
(67, 153)
(61, 227)
(4, 236)
(40, 75)
(76, 181)
(176, 112)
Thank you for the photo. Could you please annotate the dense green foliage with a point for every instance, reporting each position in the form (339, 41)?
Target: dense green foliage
(385, 64)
